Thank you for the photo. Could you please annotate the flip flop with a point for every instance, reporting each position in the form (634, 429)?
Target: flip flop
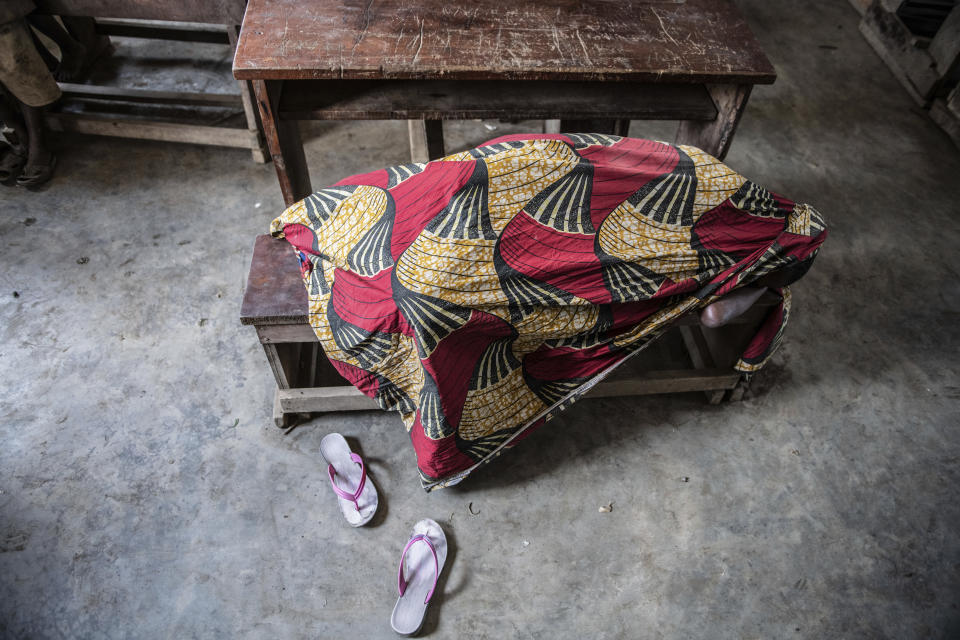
(348, 475)
(424, 554)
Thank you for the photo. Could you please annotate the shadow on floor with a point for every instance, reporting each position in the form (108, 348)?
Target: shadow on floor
(577, 432)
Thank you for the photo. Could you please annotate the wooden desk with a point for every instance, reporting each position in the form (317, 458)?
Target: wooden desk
(593, 64)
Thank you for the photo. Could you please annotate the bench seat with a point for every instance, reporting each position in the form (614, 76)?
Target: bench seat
(687, 358)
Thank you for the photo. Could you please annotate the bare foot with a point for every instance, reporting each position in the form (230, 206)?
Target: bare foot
(730, 306)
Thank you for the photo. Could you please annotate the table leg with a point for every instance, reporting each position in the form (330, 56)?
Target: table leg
(283, 140)
(736, 395)
(246, 97)
(426, 140)
(280, 418)
(282, 365)
(700, 356)
(282, 370)
(715, 136)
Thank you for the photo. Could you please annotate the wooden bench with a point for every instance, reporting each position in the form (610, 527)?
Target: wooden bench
(116, 110)
(688, 358)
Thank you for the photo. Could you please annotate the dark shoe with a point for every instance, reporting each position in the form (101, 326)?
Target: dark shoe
(11, 165)
(34, 175)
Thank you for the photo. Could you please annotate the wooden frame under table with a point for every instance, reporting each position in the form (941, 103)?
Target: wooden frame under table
(211, 21)
(592, 66)
(275, 303)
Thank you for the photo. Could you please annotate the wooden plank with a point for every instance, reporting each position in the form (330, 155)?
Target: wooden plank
(702, 359)
(715, 381)
(314, 356)
(280, 371)
(274, 291)
(417, 131)
(441, 99)
(102, 125)
(283, 333)
(260, 154)
(426, 140)
(715, 137)
(860, 5)
(434, 132)
(348, 398)
(654, 41)
(896, 46)
(207, 11)
(321, 399)
(162, 30)
(945, 45)
(284, 142)
(948, 120)
(743, 385)
(953, 101)
(100, 92)
(279, 417)
(291, 357)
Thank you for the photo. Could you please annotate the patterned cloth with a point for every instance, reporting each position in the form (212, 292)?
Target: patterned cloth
(481, 293)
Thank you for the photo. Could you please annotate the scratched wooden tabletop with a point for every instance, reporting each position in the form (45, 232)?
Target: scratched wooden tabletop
(611, 40)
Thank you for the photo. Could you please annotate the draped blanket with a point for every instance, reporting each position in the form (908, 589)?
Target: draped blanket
(481, 293)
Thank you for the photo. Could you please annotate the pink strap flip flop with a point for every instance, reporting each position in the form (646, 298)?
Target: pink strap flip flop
(420, 565)
(348, 475)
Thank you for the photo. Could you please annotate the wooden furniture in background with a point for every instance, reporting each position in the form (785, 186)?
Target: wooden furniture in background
(927, 67)
(592, 65)
(275, 304)
(214, 21)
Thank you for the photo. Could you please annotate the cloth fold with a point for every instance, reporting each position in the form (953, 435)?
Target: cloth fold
(481, 293)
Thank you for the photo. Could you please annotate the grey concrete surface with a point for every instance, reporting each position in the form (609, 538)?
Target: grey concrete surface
(145, 493)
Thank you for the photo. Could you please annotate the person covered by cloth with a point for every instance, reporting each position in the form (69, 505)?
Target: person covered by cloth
(28, 87)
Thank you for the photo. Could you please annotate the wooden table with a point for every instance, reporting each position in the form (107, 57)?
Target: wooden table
(592, 64)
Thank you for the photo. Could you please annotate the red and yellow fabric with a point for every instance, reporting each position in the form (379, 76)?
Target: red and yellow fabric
(479, 294)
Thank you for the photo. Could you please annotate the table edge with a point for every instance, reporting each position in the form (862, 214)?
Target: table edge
(744, 77)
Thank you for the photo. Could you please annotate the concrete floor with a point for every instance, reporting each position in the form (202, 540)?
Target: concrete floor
(145, 493)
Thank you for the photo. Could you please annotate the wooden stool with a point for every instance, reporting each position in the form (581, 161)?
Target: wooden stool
(275, 303)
